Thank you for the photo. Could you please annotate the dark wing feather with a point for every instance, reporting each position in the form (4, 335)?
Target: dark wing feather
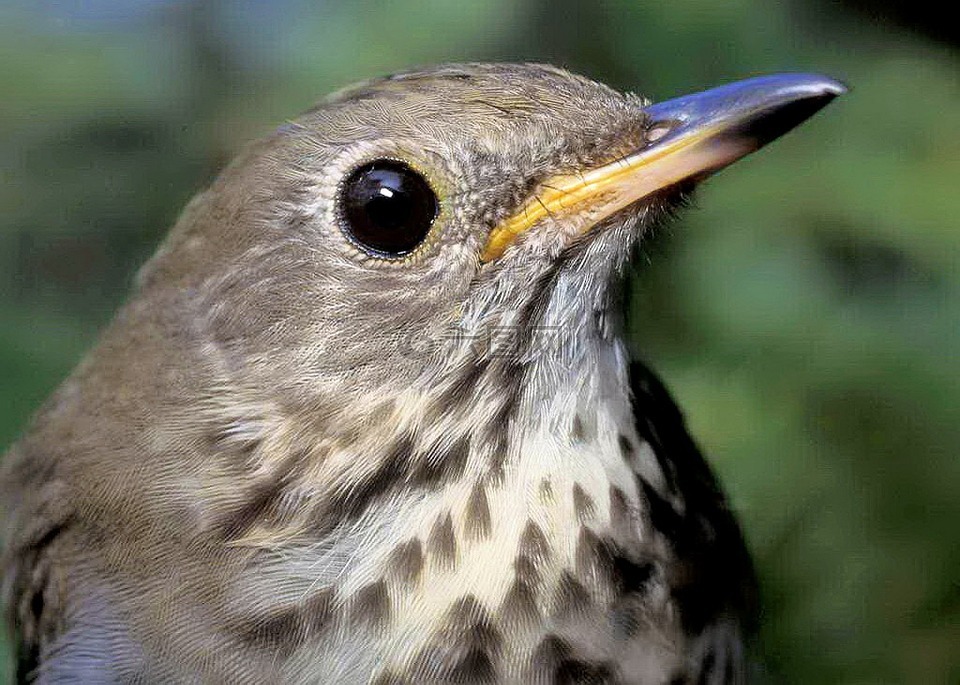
(713, 582)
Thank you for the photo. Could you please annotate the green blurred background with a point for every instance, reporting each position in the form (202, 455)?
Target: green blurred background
(806, 312)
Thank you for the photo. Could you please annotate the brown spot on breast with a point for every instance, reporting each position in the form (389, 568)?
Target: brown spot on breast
(442, 543)
(576, 431)
(527, 570)
(463, 650)
(406, 562)
(571, 597)
(660, 444)
(533, 543)
(576, 672)
(664, 518)
(627, 617)
(457, 455)
(260, 501)
(370, 606)
(401, 468)
(476, 522)
(519, 606)
(554, 663)
(620, 520)
(442, 463)
(460, 392)
(626, 447)
(546, 491)
(547, 656)
(318, 610)
(532, 552)
(583, 504)
(592, 558)
(391, 472)
(494, 438)
(604, 564)
(631, 575)
(286, 628)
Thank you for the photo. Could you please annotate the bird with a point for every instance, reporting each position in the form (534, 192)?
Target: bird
(368, 415)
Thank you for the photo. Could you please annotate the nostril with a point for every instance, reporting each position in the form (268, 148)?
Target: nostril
(658, 132)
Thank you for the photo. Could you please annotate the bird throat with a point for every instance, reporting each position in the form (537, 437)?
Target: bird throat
(504, 500)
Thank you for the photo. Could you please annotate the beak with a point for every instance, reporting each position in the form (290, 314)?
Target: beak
(688, 138)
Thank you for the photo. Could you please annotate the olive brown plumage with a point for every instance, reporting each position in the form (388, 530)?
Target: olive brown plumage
(368, 417)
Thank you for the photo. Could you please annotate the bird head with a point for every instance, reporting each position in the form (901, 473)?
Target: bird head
(387, 305)
(422, 261)
(431, 219)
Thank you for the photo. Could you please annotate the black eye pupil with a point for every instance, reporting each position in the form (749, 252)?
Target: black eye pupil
(387, 207)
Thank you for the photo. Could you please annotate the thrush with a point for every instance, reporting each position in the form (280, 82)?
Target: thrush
(368, 416)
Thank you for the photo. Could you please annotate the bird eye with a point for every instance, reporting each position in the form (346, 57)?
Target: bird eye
(387, 207)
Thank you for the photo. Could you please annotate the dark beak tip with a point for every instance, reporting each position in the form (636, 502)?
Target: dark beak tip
(809, 83)
(813, 88)
(776, 104)
(763, 107)
(832, 87)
